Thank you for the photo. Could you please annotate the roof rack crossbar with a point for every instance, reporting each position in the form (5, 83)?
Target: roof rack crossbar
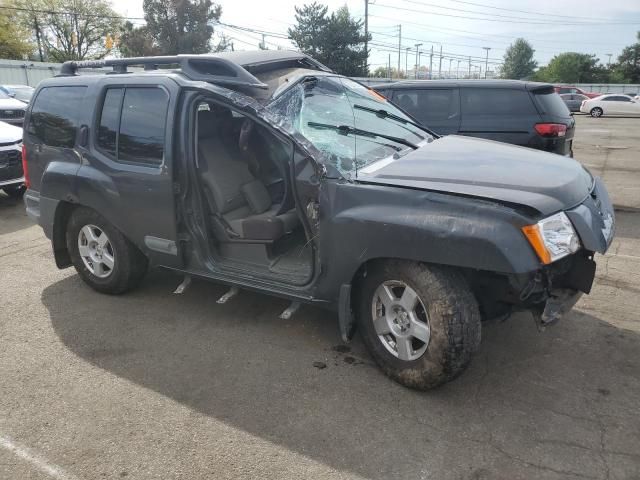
(207, 68)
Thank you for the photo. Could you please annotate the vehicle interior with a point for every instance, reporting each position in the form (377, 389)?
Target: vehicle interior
(246, 186)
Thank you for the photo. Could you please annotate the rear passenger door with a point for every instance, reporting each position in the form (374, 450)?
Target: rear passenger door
(130, 158)
(436, 108)
(501, 114)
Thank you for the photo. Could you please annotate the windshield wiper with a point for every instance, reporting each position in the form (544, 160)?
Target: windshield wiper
(346, 130)
(382, 113)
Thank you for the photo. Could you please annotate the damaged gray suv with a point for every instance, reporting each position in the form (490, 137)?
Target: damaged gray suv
(267, 171)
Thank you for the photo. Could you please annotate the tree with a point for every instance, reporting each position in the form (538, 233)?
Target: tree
(70, 29)
(518, 60)
(14, 43)
(309, 32)
(571, 67)
(182, 26)
(137, 42)
(627, 70)
(337, 40)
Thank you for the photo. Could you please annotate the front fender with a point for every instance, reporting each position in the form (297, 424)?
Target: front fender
(364, 222)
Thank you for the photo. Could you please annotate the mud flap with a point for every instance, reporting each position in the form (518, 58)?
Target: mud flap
(345, 314)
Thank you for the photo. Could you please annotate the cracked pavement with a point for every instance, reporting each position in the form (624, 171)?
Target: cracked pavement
(153, 385)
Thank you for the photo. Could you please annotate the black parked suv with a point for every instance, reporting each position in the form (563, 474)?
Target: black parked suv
(266, 171)
(528, 114)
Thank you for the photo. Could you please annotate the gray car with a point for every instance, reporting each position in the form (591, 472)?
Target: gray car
(269, 172)
(573, 100)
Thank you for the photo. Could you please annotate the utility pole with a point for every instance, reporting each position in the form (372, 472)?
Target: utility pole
(609, 62)
(417, 58)
(458, 70)
(469, 67)
(366, 36)
(399, 47)
(406, 62)
(440, 67)
(450, 60)
(431, 63)
(486, 61)
(389, 67)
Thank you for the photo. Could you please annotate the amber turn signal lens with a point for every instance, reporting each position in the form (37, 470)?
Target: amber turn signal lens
(532, 232)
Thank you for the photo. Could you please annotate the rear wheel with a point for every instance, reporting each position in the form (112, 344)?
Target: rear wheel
(102, 256)
(596, 112)
(15, 191)
(420, 323)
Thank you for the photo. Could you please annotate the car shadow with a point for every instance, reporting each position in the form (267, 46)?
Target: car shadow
(529, 405)
(12, 215)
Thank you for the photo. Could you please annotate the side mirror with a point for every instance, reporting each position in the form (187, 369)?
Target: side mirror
(11, 94)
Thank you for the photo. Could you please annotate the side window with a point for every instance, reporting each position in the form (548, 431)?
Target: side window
(617, 98)
(132, 125)
(54, 116)
(564, 90)
(484, 102)
(429, 105)
(109, 121)
(142, 125)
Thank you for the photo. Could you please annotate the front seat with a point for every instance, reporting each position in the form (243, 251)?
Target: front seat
(241, 204)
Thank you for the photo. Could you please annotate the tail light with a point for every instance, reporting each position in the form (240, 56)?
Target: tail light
(551, 129)
(25, 169)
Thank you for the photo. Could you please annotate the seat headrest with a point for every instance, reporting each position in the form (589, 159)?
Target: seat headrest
(212, 122)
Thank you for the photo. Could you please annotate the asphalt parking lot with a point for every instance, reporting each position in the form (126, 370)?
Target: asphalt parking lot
(153, 385)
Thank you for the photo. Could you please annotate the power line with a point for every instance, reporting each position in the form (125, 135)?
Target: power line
(514, 20)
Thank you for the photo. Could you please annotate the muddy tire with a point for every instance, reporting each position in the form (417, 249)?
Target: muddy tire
(104, 258)
(420, 323)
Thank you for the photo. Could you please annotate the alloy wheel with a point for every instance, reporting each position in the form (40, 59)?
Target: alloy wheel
(400, 320)
(96, 251)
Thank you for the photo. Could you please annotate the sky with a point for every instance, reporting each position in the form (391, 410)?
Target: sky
(461, 28)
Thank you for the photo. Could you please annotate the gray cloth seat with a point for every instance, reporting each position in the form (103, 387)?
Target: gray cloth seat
(236, 198)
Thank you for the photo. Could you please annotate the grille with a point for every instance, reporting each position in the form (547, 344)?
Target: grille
(10, 158)
(12, 113)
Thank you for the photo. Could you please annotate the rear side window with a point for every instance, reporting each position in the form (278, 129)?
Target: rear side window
(484, 102)
(132, 125)
(428, 105)
(54, 116)
(551, 104)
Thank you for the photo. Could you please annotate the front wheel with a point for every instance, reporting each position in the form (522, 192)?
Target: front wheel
(104, 258)
(420, 323)
(596, 112)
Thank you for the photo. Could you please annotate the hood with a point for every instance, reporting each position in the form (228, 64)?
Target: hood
(483, 168)
(12, 103)
(9, 133)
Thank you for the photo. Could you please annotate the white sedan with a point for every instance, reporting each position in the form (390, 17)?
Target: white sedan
(612, 104)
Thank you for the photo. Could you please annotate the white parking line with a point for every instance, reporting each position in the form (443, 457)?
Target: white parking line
(36, 460)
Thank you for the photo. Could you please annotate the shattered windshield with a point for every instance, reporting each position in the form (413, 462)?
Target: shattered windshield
(352, 125)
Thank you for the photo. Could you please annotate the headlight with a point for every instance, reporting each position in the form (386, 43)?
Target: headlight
(552, 238)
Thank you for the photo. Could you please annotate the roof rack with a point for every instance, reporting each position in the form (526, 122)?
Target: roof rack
(207, 68)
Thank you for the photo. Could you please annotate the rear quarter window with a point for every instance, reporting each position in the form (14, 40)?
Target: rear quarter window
(483, 102)
(550, 103)
(54, 116)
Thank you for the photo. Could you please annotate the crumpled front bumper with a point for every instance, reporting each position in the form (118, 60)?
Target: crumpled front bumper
(559, 303)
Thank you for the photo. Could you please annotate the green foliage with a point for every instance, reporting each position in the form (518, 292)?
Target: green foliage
(337, 40)
(571, 67)
(627, 69)
(137, 42)
(180, 26)
(518, 60)
(69, 29)
(14, 43)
